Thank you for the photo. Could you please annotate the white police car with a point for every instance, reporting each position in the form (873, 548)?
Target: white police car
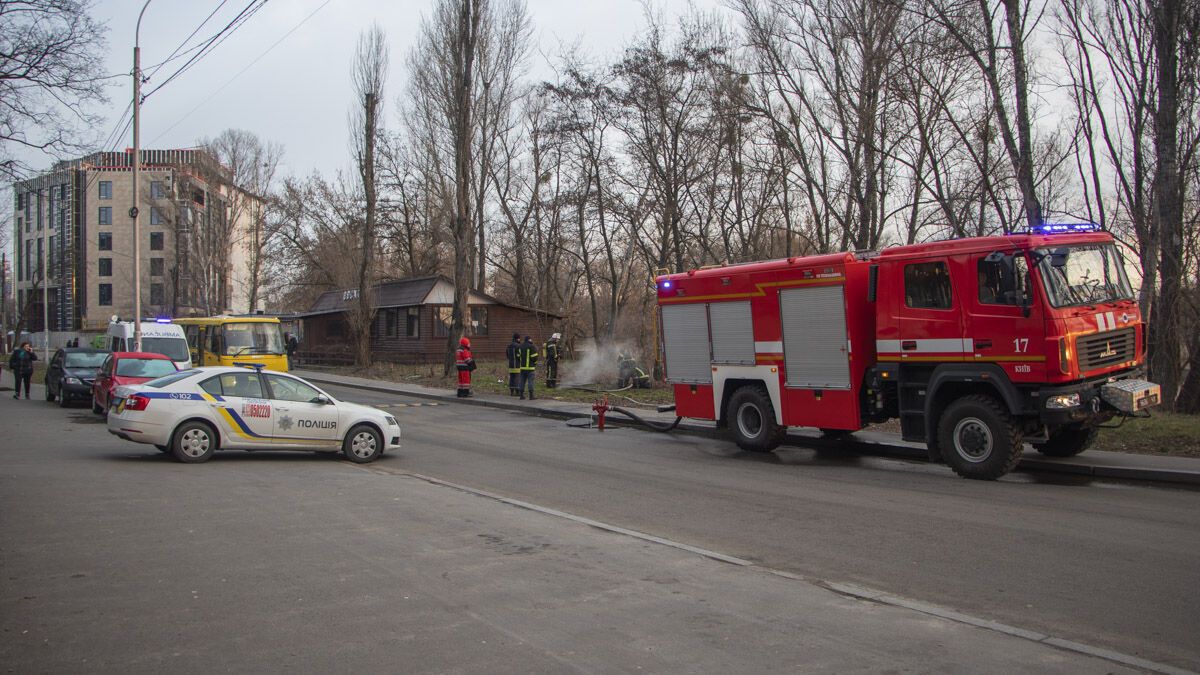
(193, 413)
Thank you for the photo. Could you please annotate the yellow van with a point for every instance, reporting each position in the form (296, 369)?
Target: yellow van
(224, 340)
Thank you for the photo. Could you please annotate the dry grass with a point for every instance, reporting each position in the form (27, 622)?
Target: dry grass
(1161, 434)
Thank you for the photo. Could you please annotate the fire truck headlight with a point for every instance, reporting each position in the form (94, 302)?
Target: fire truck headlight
(1063, 401)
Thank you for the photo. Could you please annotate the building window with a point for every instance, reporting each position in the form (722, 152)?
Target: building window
(105, 241)
(156, 267)
(393, 322)
(412, 326)
(51, 258)
(105, 294)
(156, 189)
(441, 321)
(106, 267)
(106, 189)
(155, 216)
(927, 286)
(157, 296)
(106, 215)
(479, 321)
(156, 241)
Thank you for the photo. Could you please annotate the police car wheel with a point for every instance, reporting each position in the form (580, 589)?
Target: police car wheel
(978, 438)
(363, 444)
(194, 442)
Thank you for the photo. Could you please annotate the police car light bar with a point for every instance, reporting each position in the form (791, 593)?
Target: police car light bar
(1065, 228)
(162, 319)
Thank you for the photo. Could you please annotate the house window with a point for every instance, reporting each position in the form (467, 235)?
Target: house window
(105, 241)
(412, 326)
(106, 215)
(479, 321)
(156, 217)
(105, 294)
(156, 189)
(927, 286)
(156, 267)
(441, 321)
(106, 189)
(157, 296)
(106, 267)
(392, 317)
(156, 241)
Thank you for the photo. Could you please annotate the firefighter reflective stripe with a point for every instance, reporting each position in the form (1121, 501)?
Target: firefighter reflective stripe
(685, 341)
(732, 333)
(815, 346)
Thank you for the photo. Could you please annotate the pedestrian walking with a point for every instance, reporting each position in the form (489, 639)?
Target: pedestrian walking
(464, 363)
(514, 366)
(291, 344)
(550, 352)
(527, 354)
(21, 365)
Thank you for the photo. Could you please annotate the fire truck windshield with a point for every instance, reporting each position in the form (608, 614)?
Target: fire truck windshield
(1085, 274)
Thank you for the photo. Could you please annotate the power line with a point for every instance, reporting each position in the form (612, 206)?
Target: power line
(237, 22)
(185, 41)
(238, 74)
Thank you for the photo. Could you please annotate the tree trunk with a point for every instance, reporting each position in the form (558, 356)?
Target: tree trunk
(365, 314)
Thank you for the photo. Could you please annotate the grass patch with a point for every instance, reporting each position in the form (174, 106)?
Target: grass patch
(1162, 434)
(492, 378)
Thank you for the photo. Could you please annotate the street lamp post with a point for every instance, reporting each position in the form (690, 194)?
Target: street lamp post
(137, 170)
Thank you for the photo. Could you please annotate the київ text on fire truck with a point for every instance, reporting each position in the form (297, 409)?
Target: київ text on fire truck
(976, 345)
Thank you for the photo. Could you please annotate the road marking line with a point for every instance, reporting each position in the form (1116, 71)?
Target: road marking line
(850, 590)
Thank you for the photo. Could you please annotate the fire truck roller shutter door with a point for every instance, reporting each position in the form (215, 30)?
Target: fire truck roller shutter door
(685, 336)
(815, 350)
(732, 333)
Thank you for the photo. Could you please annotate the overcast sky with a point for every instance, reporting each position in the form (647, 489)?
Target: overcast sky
(298, 93)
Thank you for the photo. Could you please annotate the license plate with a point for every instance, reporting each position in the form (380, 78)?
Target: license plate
(1131, 395)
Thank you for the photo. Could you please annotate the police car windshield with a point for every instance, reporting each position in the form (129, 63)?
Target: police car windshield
(148, 368)
(1086, 274)
(252, 338)
(163, 381)
(174, 348)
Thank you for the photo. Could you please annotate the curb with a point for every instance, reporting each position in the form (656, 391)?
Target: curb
(862, 447)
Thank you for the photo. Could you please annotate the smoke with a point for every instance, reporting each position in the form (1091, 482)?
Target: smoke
(595, 366)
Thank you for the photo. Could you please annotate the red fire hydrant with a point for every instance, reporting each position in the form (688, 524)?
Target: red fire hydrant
(601, 407)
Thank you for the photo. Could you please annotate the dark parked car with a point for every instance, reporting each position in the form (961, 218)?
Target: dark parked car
(71, 372)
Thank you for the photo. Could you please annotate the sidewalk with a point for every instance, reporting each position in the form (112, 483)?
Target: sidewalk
(1092, 463)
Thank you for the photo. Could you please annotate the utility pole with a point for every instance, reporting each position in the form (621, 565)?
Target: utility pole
(45, 246)
(137, 169)
(4, 301)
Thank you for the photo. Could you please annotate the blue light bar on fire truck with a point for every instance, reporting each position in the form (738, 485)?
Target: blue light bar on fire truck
(1065, 228)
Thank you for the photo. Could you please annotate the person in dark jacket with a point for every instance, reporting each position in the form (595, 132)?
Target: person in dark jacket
(514, 367)
(527, 356)
(21, 365)
(551, 353)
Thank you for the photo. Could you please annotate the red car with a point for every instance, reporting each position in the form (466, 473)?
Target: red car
(126, 368)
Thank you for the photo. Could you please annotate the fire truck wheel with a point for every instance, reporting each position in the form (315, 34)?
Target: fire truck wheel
(752, 420)
(978, 438)
(1067, 442)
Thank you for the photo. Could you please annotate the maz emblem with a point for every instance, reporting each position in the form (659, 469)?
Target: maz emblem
(1108, 351)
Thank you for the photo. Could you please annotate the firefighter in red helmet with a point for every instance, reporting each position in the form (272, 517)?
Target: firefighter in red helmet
(465, 364)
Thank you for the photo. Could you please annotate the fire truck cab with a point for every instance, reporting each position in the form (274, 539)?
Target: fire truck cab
(975, 345)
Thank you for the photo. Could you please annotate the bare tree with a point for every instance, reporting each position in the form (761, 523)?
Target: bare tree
(51, 69)
(369, 73)
(250, 163)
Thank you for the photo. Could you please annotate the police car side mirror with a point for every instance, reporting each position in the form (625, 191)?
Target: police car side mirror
(323, 400)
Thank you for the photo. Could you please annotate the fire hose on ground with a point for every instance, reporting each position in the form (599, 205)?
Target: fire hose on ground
(602, 407)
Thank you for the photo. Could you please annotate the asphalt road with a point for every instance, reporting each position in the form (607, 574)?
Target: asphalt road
(116, 558)
(1101, 562)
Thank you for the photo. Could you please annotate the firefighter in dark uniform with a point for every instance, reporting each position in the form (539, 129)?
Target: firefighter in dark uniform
(514, 367)
(629, 374)
(464, 363)
(550, 352)
(527, 355)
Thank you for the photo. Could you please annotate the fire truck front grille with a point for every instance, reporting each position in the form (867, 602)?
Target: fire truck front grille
(1105, 349)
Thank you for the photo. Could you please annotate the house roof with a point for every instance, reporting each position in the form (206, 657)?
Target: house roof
(399, 293)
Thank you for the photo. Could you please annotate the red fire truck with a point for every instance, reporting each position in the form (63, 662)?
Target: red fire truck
(976, 345)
